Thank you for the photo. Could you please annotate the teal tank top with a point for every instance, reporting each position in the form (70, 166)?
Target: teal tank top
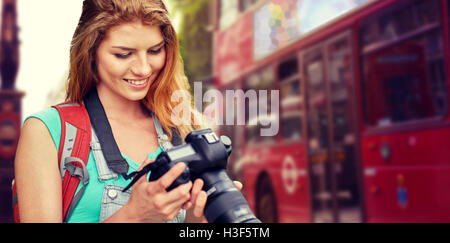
(88, 208)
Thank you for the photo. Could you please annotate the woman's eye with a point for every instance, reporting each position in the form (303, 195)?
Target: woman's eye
(154, 52)
(122, 56)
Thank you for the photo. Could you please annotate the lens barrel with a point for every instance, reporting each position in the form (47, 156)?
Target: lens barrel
(225, 203)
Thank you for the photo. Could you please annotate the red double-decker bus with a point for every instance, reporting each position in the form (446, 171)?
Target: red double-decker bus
(364, 128)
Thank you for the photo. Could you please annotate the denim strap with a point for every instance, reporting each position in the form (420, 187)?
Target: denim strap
(104, 173)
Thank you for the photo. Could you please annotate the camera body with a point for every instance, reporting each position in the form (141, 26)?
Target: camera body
(206, 157)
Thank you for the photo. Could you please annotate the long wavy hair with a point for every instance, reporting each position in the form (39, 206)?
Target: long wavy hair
(99, 16)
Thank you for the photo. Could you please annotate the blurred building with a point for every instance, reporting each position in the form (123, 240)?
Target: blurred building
(10, 105)
(363, 107)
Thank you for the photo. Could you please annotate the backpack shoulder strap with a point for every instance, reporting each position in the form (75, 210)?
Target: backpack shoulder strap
(73, 153)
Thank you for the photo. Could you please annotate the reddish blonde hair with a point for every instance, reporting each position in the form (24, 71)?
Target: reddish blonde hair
(97, 18)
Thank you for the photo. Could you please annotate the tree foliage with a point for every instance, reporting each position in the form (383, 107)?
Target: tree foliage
(195, 37)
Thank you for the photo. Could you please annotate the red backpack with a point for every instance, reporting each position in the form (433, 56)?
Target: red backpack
(73, 156)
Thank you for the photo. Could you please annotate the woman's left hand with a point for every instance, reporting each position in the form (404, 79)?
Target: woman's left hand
(195, 207)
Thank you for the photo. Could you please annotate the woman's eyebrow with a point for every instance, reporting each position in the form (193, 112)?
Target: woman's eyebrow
(132, 49)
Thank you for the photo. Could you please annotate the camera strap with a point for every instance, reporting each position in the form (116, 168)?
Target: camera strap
(102, 128)
(138, 174)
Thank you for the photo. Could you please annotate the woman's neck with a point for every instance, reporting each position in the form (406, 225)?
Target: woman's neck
(117, 107)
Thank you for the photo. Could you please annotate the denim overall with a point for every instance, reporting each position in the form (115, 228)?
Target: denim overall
(113, 197)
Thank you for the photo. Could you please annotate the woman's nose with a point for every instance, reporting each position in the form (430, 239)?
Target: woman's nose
(142, 67)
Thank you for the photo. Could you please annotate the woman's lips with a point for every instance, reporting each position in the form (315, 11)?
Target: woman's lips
(137, 83)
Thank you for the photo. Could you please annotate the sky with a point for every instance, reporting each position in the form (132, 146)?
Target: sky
(46, 30)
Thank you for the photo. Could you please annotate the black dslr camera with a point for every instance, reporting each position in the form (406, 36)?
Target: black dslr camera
(206, 157)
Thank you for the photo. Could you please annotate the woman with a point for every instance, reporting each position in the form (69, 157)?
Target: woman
(128, 51)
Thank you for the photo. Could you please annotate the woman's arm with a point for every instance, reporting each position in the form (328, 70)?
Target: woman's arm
(37, 175)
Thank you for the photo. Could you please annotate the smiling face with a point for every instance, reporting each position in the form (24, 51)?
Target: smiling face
(129, 59)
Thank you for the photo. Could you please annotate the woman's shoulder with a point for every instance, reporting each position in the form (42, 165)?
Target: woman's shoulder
(49, 113)
(48, 117)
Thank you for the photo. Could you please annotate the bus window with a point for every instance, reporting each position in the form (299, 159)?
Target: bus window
(403, 19)
(341, 80)
(403, 64)
(255, 82)
(317, 100)
(291, 100)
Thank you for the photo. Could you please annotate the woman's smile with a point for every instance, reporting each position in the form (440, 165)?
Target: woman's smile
(137, 83)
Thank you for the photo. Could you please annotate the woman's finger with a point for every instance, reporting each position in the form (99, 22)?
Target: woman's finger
(179, 194)
(199, 204)
(196, 188)
(167, 179)
(187, 205)
(178, 197)
(238, 184)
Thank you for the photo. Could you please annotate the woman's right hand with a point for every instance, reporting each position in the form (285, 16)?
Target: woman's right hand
(150, 202)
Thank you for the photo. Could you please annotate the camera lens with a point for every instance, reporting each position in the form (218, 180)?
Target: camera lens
(225, 203)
